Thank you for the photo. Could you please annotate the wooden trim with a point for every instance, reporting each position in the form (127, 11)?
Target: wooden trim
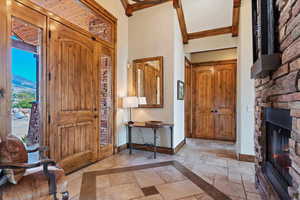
(187, 60)
(4, 54)
(122, 148)
(209, 33)
(246, 158)
(212, 50)
(139, 6)
(180, 14)
(24, 46)
(92, 4)
(115, 90)
(55, 17)
(164, 150)
(127, 8)
(236, 17)
(179, 146)
(161, 60)
(221, 62)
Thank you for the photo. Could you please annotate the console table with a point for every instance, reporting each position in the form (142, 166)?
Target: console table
(154, 128)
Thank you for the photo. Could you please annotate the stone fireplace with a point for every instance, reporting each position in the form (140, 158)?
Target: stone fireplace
(277, 110)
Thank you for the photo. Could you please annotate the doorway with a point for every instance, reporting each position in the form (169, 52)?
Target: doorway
(214, 100)
(61, 80)
(27, 37)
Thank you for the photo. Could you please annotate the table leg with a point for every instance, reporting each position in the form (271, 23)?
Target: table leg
(129, 140)
(155, 149)
(171, 129)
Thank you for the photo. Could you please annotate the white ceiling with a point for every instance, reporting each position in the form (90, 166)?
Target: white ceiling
(201, 15)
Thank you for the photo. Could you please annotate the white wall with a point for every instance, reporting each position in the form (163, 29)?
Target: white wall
(216, 55)
(245, 86)
(116, 8)
(211, 43)
(148, 38)
(179, 70)
(142, 36)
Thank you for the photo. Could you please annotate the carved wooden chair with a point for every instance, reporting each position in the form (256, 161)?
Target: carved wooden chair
(19, 180)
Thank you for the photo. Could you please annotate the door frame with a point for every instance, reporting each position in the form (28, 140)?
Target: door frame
(4, 69)
(188, 101)
(5, 63)
(216, 63)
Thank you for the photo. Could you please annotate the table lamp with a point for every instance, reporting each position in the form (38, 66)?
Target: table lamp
(130, 102)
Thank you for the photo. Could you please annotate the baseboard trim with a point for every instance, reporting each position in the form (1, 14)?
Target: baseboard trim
(179, 146)
(122, 147)
(165, 150)
(246, 158)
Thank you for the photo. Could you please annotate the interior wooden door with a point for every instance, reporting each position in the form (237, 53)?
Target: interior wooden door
(224, 101)
(203, 96)
(214, 94)
(73, 94)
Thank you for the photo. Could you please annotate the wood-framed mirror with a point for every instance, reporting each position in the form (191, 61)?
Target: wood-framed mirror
(148, 81)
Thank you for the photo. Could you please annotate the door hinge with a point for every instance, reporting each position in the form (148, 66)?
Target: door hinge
(49, 76)
(49, 119)
(49, 34)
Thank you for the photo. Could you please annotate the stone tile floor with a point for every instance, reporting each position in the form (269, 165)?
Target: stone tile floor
(212, 161)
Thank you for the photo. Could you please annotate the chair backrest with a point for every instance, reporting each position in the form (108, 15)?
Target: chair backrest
(12, 150)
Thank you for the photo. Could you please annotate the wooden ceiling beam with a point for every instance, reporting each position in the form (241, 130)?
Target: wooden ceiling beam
(208, 33)
(180, 14)
(139, 6)
(127, 7)
(236, 17)
(130, 8)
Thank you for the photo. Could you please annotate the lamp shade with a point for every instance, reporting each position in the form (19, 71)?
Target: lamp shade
(130, 102)
(142, 100)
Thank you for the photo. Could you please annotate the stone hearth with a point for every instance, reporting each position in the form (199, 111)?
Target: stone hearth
(281, 89)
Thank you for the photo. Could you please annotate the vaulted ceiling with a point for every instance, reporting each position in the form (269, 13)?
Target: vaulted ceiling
(199, 18)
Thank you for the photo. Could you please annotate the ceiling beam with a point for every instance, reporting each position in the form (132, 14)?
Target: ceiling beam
(127, 7)
(236, 17)
(208, 33)
(130, 8)
(178, 6)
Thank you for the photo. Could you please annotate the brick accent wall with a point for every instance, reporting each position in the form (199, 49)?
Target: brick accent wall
(281, 89)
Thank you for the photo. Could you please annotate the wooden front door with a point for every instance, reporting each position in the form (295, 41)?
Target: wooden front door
(214, 97)
(73, 96)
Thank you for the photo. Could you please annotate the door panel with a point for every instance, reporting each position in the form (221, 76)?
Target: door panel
(203, 103)
(214, 102)
(224, 101)
(73, 97)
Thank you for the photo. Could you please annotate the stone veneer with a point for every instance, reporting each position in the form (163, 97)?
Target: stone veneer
(281, 89)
